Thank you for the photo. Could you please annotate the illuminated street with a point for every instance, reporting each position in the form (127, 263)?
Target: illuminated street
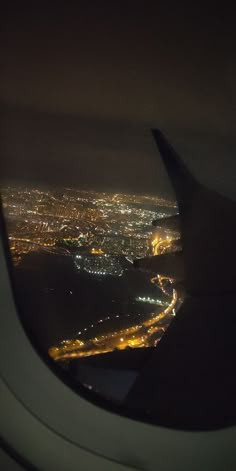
(136, 336)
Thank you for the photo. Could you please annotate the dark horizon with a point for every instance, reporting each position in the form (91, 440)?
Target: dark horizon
(82, 86)
(69, 150)
(56, 187)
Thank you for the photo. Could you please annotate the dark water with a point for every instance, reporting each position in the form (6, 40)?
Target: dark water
(56, 301)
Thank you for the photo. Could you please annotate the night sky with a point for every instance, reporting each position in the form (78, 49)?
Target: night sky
(80, 88)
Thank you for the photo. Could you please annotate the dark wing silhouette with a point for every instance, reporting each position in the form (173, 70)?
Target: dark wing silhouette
(189, 381)
(170, 222)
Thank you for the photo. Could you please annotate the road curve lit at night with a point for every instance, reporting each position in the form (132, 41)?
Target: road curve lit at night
(135, 336)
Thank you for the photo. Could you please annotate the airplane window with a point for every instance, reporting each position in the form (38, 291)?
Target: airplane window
(80, 253)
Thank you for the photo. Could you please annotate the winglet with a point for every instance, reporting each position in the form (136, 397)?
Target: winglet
(184, 183)
(208, 227)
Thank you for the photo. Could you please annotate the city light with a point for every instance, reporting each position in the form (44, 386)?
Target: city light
(135, 336)
(101, 234)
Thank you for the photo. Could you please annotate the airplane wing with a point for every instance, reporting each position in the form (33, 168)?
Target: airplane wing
(190, 379)
(169, 222)
(170, 265)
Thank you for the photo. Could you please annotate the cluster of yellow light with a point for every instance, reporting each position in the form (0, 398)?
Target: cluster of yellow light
(136, 336)
(61, 353)
(97, 251)
(21, 246)
(119, 333)
(159, 245)
(163, 314)
(153, 329)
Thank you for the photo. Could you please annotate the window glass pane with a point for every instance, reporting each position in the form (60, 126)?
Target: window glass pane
(82, 205)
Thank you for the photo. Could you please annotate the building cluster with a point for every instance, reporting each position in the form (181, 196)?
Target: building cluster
(116, 224)
(99, 264)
